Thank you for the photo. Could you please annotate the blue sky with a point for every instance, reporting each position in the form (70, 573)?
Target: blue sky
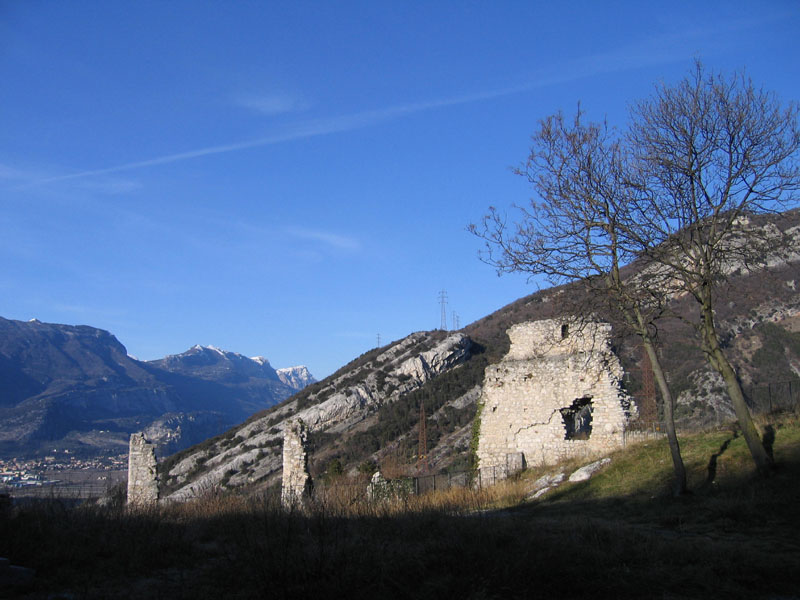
(291, 179)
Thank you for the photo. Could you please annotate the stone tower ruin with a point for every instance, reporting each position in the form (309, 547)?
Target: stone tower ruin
(555, 395)
(296, 482)
(142, 475)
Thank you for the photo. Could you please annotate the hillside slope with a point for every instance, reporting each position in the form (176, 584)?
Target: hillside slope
(759, 315)
(337, 410)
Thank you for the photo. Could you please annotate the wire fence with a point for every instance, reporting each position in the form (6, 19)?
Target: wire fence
(762, 400)
(410, 485)
(444, 481)
(781, 396)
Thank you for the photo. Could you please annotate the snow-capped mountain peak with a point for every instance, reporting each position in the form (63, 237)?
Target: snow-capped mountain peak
(210, 362)
(296, 377)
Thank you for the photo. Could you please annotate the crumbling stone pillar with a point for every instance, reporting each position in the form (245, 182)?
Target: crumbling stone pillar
(142, 476)
(377, 487)
(296, 483)
(557, 394)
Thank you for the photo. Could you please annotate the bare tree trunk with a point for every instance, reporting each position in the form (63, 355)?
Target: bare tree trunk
(678, 467)
(718, 360)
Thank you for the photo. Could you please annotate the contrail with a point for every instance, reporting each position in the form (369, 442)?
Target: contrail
(660, 50)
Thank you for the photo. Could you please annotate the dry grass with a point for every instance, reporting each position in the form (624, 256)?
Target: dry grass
(617, 535)
(349, 499)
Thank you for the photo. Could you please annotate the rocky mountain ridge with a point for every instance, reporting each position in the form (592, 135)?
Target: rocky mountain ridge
(214, 364)
(76, 388)
(295, 377)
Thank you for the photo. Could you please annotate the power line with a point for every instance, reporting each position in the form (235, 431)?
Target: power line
(443, 302)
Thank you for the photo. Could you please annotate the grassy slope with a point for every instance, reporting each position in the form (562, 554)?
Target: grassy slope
(617, 535)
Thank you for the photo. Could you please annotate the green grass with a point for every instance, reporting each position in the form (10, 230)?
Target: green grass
(713, 460)
(753, 519)
(618, 535)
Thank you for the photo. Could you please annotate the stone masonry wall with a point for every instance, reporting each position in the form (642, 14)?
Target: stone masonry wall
(142, 474)
(530, 396)
(296, 483)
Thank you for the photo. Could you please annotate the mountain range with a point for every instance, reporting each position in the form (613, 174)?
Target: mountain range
(75, 388)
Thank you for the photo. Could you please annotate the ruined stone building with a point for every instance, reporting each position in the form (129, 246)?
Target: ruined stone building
(296, 482)
(555, 395)
(142, 474)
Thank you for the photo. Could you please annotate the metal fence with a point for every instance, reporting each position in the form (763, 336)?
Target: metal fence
(781, 396)
(767, 399)
(640, 431)
(444, 481)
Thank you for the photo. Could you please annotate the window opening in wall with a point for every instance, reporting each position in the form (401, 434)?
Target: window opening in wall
(578, 419)
(564, 331)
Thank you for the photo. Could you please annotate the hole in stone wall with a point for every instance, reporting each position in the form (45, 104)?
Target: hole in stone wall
(578, 419)
(564, 331)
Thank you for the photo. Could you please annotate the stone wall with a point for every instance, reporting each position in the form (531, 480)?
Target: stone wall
(142, 474)
(296, 483)
(555, 395)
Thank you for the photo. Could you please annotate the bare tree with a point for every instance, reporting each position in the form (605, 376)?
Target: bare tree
(673, 193)
(580, 233)
(708, 152)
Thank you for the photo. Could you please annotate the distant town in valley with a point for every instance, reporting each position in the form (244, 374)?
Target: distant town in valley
(61, 471)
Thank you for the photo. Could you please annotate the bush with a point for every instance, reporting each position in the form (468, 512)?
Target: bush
(368, 467)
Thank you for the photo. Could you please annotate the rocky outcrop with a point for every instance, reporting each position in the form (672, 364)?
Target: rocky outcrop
(753, 244)
(706, 403)
(551, 481)
(175, 430)
(399, 371)
(585, 473)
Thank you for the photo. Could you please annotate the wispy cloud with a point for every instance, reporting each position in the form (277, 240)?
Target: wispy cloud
(333, 240)
(272, 103)
(668, 48)
(302, 130)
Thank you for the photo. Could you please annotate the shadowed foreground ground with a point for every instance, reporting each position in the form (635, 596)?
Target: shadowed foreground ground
(617, 535)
